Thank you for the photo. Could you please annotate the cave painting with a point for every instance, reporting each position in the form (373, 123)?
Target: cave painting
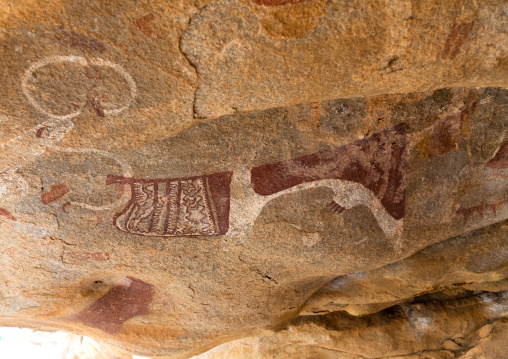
(500, 159)
(124, 301)
(55, 193)
(370, 172)
(23, 149)
(458, 35)
(87, 64)
(494, 208)
(75, 40)
(189, 206)
(377, 162)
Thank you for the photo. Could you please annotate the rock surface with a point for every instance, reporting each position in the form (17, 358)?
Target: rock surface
(278, 178)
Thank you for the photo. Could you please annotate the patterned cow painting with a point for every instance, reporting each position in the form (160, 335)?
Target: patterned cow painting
(190, 206)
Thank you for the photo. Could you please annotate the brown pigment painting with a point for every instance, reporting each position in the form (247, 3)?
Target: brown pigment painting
(6, 213)
(77, 41)
(190, 206)
(54, 193)
(457, 36)
(445, 134)
(377, 162)
(121, 303)
(500, 160)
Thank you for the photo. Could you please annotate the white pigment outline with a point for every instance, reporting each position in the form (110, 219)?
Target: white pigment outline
(60, 129)
(127, 172)
(83, 62)
(348, 194)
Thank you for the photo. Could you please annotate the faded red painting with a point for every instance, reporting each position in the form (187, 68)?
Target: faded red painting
(77, 41)
(480, 209)
(143, 24)
(445, 134)
(56, 192)
(190, 206)
(377, 162)
(457, 36)
(500, 160)
(6, 213)
(121, 303)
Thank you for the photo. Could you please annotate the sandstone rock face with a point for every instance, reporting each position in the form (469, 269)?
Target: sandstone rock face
(300, 179)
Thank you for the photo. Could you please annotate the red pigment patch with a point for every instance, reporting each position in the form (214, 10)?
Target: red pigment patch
(445, 134)
(277, 2)
(6, 213)
(55, 193)
(65, 205)
(95, 102)
(77, 41)
(456, 38)
(142, 24)
(40, 132)
(377, 162)
(500, 160)
(121, 303)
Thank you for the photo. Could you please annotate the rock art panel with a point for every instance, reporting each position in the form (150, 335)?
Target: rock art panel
(25, 148)
(27, 84)
(318, 185)
(190, 206)
(163, 207)
(490, 203)
(283, 201)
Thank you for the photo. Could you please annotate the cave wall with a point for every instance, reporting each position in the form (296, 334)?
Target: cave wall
(273, 178)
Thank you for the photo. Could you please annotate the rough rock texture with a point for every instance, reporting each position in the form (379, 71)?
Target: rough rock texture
(327, 178)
